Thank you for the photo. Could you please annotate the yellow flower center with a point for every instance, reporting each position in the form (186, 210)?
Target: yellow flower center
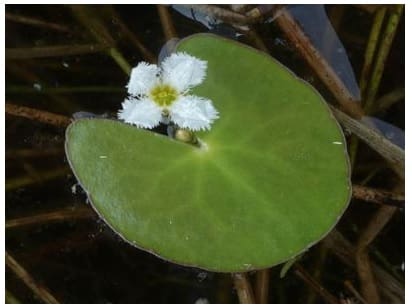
(163, 95)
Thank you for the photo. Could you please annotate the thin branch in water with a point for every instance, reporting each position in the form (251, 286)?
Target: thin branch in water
(89, 18)
(391, 152)
(320, 66)
(388, 285)
(349, 286)
(53, 51)
(370, 49)
(132, 37)
(367, 278)
(243, 288)
(11, 299)
(317, 270)
(382, 55)
(166, 21)
(262, 286)
(386, 101)
(38, 115)
(120, 60)
(37, 288)
(24, 181)
(222, 14)
(69, 213)
(315, 285)
(369, 8)
(24, 71)
(64, 90)
(32, 21)
(378, 196)
(253, 37)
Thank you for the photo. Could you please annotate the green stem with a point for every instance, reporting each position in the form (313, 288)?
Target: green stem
(369, 54)
(10, 298)
(120, 60)
(371, 47)
(92, 21)
(386, 101)
(382, 55)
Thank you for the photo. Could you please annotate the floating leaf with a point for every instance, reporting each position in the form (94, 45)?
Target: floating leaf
(273, 180)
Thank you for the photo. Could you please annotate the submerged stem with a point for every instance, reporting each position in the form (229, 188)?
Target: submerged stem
(382, 55)
(243, 288)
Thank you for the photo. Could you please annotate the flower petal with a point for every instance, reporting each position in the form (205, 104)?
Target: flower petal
(142, 78)
(183, 71)
(140, 112)
(193, 112)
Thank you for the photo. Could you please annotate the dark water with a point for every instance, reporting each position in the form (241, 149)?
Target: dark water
(82, 260)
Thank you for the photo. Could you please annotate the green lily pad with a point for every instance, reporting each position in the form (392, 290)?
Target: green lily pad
(273, 180)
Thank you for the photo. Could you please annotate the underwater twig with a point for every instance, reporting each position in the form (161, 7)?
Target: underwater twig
(367, 279)
(88, 16)
(37, 289)
(318, 267)
(54, 216)
(349, 286)
(315, 285)
(243, 288)
(10, 298)
(64, 90)
(382, 54)
(38, 115)
(390, 287)
(253, 37)
(370, 49)
(378, 196)
(386, 101)
(33, 21)
(53, 51)
(369, 8)
(318, 63)
(391, 152)
(262, 286)
(225, 15)
(224, 289)
(19, 182)
(21, 71)
(166, 21)
(365, 74)
(261, 10)
(24, 72)
(120, 60)
(132, 37)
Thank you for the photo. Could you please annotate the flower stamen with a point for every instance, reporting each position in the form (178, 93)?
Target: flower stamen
(163, 95)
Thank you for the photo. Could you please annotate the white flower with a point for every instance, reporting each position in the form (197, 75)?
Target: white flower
(161, 94)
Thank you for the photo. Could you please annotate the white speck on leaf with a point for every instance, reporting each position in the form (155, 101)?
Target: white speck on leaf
(337, 142)
(103, 156)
